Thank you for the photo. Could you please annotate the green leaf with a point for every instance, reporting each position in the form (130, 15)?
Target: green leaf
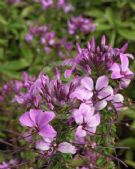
(14, 65)
(127, 34)
(94, 13)
(102, 27)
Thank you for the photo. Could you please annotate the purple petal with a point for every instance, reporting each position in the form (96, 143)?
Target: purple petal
(81, 94)
(94, 121)
(106, 93)
(118, 98)
(45, 117)
(47, 132)
(66, 148)
(42, 145)
(100, 105)
(102, 82)
(78, 116)
(80, 132)
(87, 83)
(86, 111)
(124, 62)
(25, 120)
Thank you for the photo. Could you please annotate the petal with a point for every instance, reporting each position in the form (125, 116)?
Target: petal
(45, 117)
(66, 148)
(102, 82)
(78, 116)
(86, 111)
(87, 83)
(100, 105)
(80, 132)
(94, 121)
(115, 67)
(124, 62)
(34, 113)
(42, 145)
(118, 98)
(25, 120)
(81, 94)
(68, 73)
(47, 132)
(106, 93)
(116, 75)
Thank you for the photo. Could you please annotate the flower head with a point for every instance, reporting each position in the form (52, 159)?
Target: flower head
(39, 120)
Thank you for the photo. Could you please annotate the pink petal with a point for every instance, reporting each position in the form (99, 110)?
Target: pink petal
(25, 120)
(86, 111)
(47, 132)
(87, 83)
(106, 93)
(115, 67)
(100, 105)
(81, 94)
(94, 121)
(34, 113)
(42, 145)
(124, 62)
(45, 117)
(116, 75)
(80, 132)
(66, 148)
(102, 82)
(118, 98)
(78, 116)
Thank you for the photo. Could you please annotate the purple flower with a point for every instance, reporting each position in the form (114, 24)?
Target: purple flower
(55, 92)
(97, 59)
(66, 148)
(46, 37)
(86, 119)
(79, 23)
(39, 120)
(98, 95)
(46, 3)
(122, 71)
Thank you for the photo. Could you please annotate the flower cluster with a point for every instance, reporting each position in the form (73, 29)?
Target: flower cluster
(60, 4)
(80, 23)
(47, 39)
(100, 73)
(102, 60)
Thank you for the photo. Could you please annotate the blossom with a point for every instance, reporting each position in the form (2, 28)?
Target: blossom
(39, 121)
(66, 147)
(122, 71)
(95, 58)
(46, 3)
(65, 5)
(43, 33)
(86, 119)
(99, 94)
(80, 23)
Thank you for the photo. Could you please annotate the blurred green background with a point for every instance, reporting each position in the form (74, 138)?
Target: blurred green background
(114, 18)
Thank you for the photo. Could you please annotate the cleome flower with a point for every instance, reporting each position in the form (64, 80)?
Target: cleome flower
(39, 120)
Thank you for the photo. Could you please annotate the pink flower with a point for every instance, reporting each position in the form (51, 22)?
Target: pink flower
(121, 71)
(86, 119)
(39, 121)
(66, 148)
(100, 94)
